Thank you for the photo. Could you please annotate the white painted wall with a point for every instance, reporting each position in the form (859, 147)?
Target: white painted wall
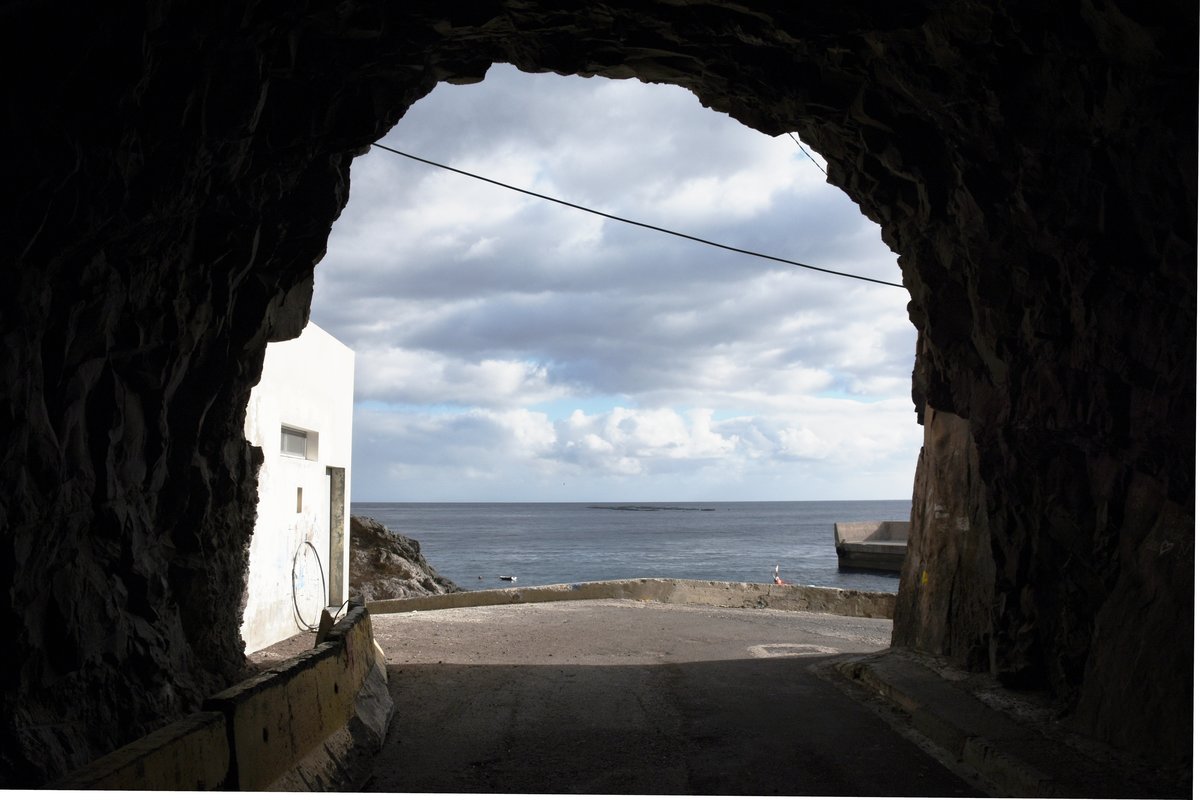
(307, 384)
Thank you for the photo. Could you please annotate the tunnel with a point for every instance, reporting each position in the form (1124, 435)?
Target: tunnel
(175, 169)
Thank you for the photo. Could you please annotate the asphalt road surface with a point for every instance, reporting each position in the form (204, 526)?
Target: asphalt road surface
(623, 697)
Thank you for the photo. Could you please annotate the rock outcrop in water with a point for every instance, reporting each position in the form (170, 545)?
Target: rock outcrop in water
(384, 563)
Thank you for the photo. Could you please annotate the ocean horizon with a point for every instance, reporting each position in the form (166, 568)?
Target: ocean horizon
(474, 544)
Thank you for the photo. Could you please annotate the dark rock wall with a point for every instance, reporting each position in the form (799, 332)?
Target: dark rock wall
(1061, 324)
(177, 167)
(945, 606)
(151, 249)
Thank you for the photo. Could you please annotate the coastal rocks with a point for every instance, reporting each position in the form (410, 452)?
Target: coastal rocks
(385, 564)
(1034, 166)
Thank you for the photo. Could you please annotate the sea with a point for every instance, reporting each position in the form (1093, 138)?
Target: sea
(474, 544)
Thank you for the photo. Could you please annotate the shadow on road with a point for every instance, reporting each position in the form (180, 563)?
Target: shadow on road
(763, 726)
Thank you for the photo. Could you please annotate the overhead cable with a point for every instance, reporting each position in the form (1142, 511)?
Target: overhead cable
(635, 222)
(804, 149)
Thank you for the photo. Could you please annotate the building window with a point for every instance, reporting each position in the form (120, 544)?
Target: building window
(293, 442)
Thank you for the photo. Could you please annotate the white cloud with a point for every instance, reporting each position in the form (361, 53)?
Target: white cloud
(836, 440)
(471, 307)
(624, 437)
(416, 377)
(802, 443)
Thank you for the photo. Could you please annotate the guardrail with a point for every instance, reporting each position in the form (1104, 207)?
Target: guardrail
(309, 723)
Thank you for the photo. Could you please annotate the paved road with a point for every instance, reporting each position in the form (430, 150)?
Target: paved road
(621, 697)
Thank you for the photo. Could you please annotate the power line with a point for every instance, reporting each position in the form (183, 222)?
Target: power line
(796, 139)
(635, 222)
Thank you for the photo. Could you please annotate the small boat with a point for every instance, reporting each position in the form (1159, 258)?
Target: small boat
(508, 577)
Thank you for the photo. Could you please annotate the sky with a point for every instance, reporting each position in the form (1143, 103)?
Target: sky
(511, 349)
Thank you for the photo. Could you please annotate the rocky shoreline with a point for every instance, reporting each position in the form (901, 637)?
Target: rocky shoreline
(385, 564)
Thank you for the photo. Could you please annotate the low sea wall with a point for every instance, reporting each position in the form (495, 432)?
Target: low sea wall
(723, 594)
(309, 723)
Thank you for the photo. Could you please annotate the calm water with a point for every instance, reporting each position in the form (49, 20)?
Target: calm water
(474, 543)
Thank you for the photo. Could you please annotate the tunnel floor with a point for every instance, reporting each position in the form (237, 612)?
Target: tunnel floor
(622, 697)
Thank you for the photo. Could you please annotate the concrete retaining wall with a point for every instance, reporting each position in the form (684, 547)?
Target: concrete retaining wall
(310, 723)
(844, 602)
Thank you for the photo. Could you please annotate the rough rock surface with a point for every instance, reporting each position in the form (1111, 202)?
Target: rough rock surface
(386, 564)
(179, 166)
(944, 606)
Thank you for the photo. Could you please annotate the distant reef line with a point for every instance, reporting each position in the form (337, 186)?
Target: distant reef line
(652, 508)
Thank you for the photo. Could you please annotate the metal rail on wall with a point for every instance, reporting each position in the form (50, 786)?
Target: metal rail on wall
(324, 589)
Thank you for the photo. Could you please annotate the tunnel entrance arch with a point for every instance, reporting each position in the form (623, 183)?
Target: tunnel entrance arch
(1034, 169)
(512, 349)
(515, 352)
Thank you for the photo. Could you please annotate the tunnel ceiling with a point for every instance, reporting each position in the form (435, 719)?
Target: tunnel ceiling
(177, 168)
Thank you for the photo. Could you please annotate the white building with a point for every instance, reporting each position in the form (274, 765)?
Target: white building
(300, 414)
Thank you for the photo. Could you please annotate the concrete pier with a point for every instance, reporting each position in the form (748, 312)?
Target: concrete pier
(871, 545)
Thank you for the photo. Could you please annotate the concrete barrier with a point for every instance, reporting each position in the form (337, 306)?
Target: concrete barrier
(723, 594)
(192, 753)
(310, 723)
